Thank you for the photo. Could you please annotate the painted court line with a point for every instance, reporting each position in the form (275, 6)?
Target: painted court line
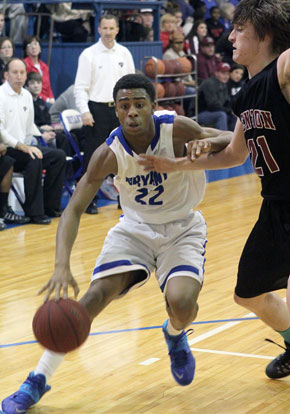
(216, 330)
(149, 361)
(211, 351)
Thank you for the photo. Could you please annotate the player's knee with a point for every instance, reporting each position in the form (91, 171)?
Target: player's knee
(252, 304)
(182, 305)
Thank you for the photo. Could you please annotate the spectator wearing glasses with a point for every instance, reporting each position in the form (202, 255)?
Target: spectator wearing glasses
(6, 53)
(175, 51)
(31, 53)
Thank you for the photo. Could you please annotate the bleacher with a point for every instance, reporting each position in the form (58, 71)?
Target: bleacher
(63, 57)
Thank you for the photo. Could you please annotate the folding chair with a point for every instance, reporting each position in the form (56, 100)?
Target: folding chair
(71, 119)
(16, 195)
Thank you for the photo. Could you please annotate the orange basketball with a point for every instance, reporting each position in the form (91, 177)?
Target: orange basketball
(178, 109)
(160, 92)
(170, 89)
(169, 66)
(180, 89)
(185, 65)
(154, 67)
(177, 66)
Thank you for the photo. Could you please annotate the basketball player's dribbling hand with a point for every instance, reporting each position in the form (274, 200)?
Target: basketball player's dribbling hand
(59, 282)
(196, 148)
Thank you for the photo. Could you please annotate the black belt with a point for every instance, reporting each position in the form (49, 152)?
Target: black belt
(109, 104)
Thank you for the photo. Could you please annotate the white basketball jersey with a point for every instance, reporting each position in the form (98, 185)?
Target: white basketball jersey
(151, 197)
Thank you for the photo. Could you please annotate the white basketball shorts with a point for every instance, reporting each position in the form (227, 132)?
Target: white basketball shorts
(172, 249)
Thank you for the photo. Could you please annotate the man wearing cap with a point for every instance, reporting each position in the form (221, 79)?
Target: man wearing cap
(214, 101)
(207, 61)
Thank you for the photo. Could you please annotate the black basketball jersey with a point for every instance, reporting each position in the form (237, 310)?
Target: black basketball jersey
(265, 116)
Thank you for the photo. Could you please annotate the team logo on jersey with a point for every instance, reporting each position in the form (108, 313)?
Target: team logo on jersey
(153, 178)
(121, 64)
(257, 118)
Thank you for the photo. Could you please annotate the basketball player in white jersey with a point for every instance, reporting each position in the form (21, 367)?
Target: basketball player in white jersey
(158, 232)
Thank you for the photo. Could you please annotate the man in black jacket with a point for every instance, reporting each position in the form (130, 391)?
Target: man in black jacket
(214, 100)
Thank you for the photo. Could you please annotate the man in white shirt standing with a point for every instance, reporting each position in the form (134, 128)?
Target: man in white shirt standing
(100, 66)
(16, 131)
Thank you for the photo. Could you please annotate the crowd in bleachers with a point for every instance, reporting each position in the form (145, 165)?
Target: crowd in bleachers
(187, 27)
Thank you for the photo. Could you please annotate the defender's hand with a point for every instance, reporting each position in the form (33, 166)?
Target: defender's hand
(196, 148)
(158, 164)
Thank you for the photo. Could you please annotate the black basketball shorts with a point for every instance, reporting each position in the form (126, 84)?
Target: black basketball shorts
(265, 261)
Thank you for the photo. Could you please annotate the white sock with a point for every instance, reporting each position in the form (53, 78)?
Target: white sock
(48, 363)
(171, 330)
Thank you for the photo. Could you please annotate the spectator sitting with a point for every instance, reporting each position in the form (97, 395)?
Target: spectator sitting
(132, 29)
(227, 14)
(236, 80)
(6, 53)
(72, 24)
(175, 51)
(7, 215)
(185, 8)
(53, 137)
(32, 51)
(16, 130)
(17, 21)
(200, 11)
(214, 101)
(214, 27)
(225, 48)
(168, 26)
(207, 61)
(147, 17)
(195, 36)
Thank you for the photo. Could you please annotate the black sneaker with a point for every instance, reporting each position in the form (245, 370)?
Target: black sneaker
(12, 218)
(280, 366)
(92, 208)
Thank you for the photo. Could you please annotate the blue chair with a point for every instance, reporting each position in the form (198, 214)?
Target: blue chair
(71, 119)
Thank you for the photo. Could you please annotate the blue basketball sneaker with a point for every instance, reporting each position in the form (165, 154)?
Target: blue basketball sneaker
(182, 360)
(28, 394)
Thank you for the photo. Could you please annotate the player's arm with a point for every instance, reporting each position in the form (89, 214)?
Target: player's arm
(283, 71)
(186, 130)
(235, 153)
(102, 163)
(200, 140)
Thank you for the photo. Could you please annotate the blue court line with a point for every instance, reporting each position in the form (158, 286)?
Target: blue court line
(137, 329)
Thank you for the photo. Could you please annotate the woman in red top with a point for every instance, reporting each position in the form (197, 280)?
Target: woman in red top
(32, 51)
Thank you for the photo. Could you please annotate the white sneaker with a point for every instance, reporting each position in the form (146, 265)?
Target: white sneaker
(2, 224)
(109, 190)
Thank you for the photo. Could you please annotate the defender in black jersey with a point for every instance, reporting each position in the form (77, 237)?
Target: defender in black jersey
(261, 40)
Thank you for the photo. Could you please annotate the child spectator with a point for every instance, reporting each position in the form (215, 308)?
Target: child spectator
(195, 36)
(53, 138)
(168, 26)
(32, 51)
(214, 27)
(227, 14)
(236, 79)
